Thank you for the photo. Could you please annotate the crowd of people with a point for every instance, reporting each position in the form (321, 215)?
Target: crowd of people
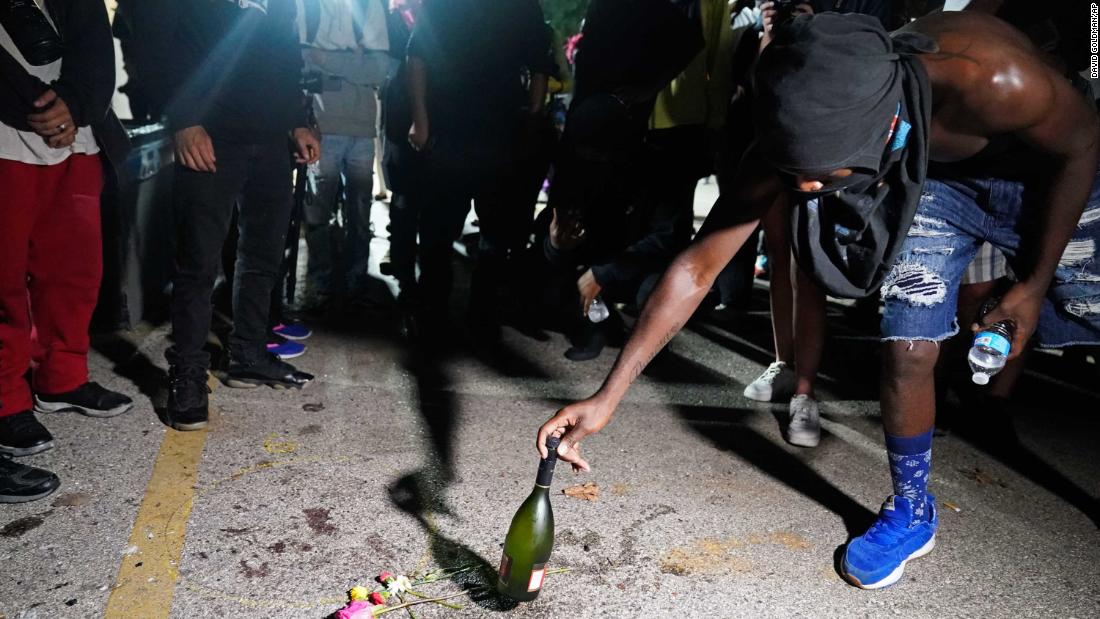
(946, 169)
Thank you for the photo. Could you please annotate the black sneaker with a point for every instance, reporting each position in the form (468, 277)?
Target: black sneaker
(267, 370)
(89, 399)
(188, 401)
(22, 435)
(20, 483)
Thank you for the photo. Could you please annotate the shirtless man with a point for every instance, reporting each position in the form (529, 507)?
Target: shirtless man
(960, 89)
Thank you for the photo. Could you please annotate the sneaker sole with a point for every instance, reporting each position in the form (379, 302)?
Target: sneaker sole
(895, 575)
(291, 355)
(41, 406)
(19, 452)
(803, 440)
(189, 427)
(7, 498)
(293, 338)
(247, 383)
(757, 395)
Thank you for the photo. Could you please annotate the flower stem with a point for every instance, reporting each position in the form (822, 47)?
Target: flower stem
(438, 600)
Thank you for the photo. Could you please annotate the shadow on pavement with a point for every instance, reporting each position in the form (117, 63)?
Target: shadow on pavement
(776, 462)
(421, 494)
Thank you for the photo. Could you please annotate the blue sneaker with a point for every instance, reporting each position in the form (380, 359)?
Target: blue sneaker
(285, 349)
(293, 331)
(877, 558)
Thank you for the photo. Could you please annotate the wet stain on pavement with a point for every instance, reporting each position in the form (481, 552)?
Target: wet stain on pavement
(705, 556)
(235, 532)
(629, 554)
(379, 547)
(620, 489)
(318, 519)
(73, 499)
(711, 556)
(274, 446)
(310, 429)
(313, 407)
(278, 547)
(792, 541)
(17, 528)
(588, 540)
(254, 572)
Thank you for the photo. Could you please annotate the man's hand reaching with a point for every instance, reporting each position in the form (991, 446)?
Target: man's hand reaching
(571, 424)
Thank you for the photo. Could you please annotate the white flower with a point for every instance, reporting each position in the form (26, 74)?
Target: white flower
(399, 585)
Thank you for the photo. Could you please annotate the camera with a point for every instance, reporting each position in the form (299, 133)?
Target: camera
(31, 32)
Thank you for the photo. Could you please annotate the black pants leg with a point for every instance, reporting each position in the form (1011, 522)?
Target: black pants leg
(202, 208)
(265, 209)
(442, 214)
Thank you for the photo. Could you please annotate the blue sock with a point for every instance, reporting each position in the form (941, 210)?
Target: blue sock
(910, 462)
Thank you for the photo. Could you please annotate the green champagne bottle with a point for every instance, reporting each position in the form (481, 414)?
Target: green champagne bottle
(531, 536)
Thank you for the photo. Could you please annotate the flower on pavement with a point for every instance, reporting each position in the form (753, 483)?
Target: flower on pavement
(358, 594)
(376, 598)
(398, 584)
(356, 610)
(385, 577)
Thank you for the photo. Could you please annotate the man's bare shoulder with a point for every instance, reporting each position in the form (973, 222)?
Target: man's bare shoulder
(986, 73)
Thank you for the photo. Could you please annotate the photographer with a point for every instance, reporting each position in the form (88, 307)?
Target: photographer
(237, 68)
(54, 123)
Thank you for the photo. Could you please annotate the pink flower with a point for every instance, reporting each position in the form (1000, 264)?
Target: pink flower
(356, 610)
(376, 598)
(385, 577)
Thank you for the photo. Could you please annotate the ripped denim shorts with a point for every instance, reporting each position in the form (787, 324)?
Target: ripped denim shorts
(954, 218)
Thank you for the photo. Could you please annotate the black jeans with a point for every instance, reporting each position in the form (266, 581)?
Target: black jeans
(505, 223)
(259, 176)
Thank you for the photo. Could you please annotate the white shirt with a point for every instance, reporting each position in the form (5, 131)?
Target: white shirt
(336, 30)
(27, 146)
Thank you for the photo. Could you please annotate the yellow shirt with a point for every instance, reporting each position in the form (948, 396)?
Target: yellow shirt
(701, 93)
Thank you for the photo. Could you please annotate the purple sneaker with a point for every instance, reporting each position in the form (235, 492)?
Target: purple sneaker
(285, 349)
(293, 331)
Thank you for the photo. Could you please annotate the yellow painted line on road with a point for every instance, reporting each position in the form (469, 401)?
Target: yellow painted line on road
(147, 577)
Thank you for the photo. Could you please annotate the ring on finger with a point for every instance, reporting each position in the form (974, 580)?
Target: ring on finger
(61, 128)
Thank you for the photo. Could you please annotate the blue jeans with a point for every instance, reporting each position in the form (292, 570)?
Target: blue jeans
(954, 218)
(352, 158)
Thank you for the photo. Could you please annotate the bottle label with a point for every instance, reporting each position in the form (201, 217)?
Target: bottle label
(538, 572)
(505, 567)
(994, 341)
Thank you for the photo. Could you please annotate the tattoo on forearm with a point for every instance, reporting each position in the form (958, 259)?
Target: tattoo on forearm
(639, 367)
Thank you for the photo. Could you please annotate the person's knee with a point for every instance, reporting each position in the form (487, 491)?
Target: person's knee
(908, 363)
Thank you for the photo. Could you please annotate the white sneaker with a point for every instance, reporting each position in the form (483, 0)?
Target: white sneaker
(804, 429)
(776, 383)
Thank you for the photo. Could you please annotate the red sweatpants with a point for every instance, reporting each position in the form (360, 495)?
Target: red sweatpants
(51, 263)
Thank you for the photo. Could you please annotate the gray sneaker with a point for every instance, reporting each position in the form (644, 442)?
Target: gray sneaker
(776, 383)
(804, 429)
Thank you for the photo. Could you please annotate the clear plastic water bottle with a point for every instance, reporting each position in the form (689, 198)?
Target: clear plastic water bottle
(597, 311)
(991, 347)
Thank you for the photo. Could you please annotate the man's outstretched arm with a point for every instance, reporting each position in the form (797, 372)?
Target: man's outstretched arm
(682, 288)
